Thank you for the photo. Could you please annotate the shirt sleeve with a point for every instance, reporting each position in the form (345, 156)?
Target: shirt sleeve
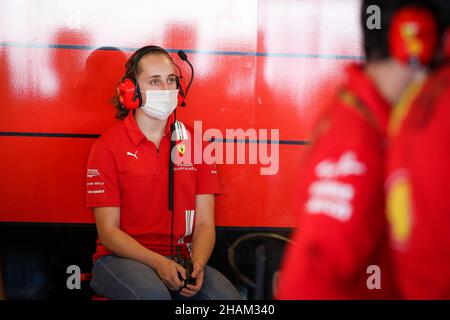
(102, 188)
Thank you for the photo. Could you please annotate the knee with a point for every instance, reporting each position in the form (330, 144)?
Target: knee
(131, 291)
(218, 287)
(124, 279)
(228, 293)
(152, 292)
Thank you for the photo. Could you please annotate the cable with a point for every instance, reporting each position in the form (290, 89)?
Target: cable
(232, 250)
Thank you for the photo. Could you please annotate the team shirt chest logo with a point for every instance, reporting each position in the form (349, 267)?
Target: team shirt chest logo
(181, 149)
(133, 154)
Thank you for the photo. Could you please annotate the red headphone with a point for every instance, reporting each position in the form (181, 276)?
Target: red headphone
(128, 90)
(413, 35)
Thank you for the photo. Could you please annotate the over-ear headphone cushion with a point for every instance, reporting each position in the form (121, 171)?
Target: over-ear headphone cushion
(413, 35)
(129, 96)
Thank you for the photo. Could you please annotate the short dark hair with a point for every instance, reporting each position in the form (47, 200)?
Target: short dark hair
(376, 41)
(131, 72)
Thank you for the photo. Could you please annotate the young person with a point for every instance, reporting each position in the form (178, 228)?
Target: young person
(127, 187)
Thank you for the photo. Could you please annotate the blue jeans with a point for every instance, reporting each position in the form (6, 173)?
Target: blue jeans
(119, 278)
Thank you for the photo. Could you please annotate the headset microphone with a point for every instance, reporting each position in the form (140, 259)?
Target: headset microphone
(183, 56)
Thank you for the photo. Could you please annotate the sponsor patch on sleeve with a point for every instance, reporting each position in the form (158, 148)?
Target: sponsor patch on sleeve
(330, 196)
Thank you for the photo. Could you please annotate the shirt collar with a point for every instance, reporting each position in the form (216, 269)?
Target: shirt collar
(364, 88)
(135, 132)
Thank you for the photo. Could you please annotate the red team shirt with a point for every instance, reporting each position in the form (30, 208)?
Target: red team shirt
(342, 226)
(418, 192)
(126, 170)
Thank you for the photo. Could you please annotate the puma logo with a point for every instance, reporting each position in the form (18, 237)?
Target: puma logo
(133, 154)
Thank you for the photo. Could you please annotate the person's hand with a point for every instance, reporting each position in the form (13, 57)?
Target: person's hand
(168, 271)
(197, 273)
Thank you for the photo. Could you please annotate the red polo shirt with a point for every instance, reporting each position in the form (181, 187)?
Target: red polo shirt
(342, 227)
(418, 187)
(126, 170)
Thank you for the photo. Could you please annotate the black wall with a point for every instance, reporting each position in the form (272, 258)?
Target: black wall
(36, 257)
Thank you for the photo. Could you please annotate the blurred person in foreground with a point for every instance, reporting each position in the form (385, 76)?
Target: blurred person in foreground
(340, 248)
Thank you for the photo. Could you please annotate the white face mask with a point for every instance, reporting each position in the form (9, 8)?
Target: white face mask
(160, 103)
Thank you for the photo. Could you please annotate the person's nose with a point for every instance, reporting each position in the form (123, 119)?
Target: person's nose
(165, 86)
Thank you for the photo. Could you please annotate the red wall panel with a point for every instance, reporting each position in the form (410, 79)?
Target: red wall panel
(259, 64)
